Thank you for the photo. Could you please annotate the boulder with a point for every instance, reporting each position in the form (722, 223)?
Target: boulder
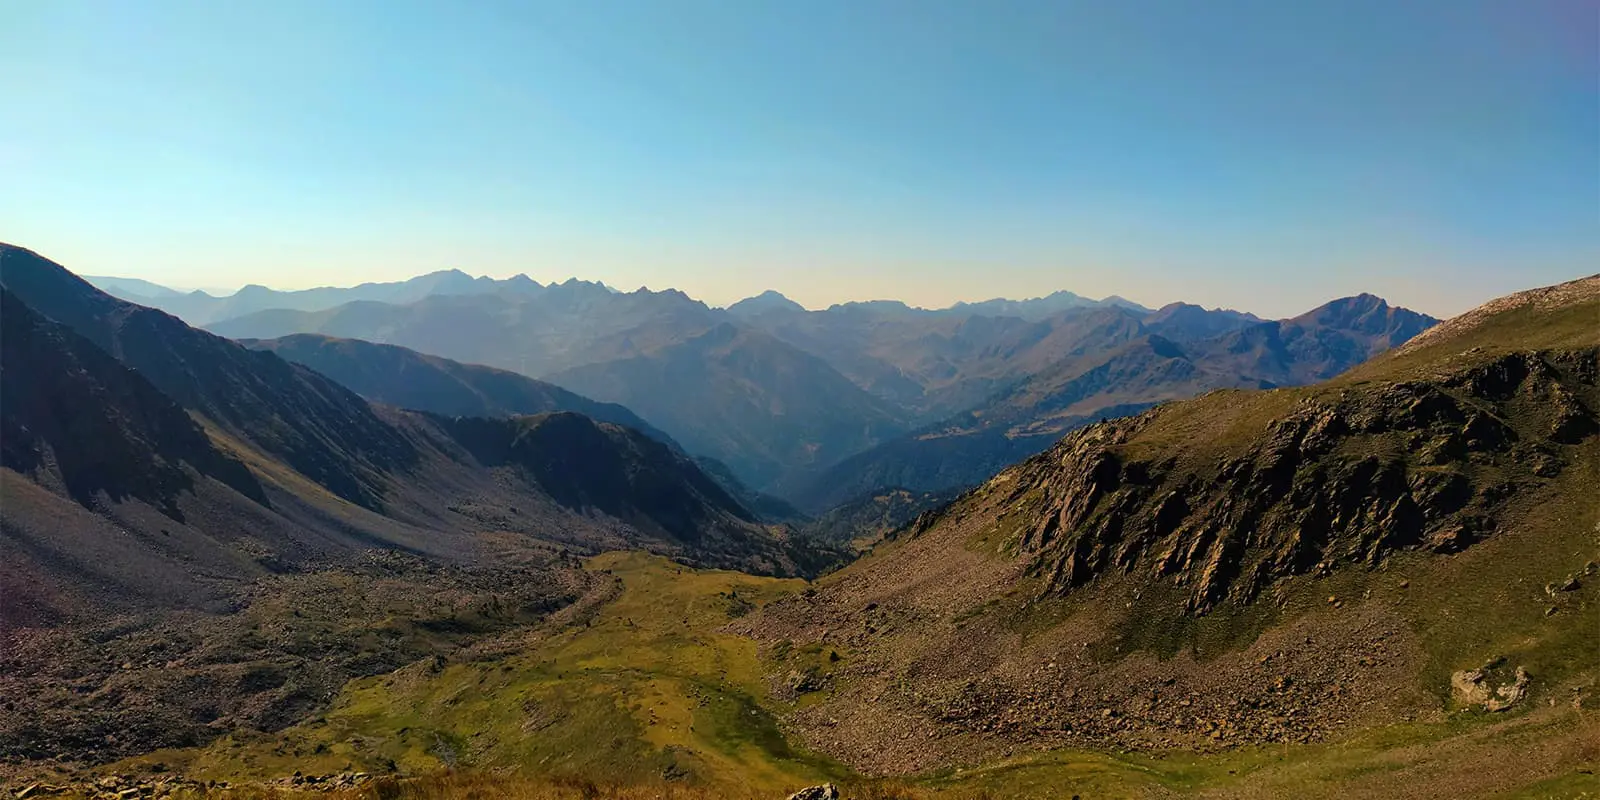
(826, 791)
(1475, 688)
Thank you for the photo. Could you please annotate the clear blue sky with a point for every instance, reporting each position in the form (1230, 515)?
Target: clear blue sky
(1263, 155)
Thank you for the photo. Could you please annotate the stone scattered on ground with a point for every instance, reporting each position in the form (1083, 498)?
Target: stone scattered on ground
(127, 787)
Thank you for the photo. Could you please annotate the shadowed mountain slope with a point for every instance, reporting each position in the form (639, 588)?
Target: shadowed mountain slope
(397, 376)
(585, 464)
(197, 538)
(319, 428)
(122, 408)
(769, 411)
(400, 377)
(105, 428)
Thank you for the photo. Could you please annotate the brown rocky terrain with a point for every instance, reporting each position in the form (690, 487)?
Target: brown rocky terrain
(1247, 567)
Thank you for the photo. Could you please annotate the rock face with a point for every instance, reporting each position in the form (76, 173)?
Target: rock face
(1347, 474)
(1476, 687)
(826, 791)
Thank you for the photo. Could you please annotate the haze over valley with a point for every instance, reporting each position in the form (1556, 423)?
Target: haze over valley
(822, 401)
(824, 407)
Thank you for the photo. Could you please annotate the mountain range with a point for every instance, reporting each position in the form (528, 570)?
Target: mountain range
(1111, 363)
(823, 407)
(200, 307)
(203, 451)
(396, 376)
(236, 559)
(160, 482)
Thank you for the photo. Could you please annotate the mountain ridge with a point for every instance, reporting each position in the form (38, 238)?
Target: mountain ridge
(1006, 384)
(295, 428)
(1249, 566)
(737, 394)
(202, 539)
(402, 377)
(1112, 363)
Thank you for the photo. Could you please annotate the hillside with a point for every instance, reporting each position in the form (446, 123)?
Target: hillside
(317, 427)
(107, 430)
(1410, 540)
(293, 428)
(771, 412)
(1113, 363)
(167, 493)
(405, 378)
(396, 376)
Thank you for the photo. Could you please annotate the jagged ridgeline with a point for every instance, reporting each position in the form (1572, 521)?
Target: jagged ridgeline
(1433, 447)
(1411, 539)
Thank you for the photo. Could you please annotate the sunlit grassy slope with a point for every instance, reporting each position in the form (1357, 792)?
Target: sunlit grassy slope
(645, 692)
(643, 689)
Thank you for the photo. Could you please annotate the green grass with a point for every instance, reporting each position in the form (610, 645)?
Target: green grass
(1524, 328)
(1572, 786)
(648, 690)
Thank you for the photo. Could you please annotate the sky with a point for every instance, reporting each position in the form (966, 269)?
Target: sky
(1260, 155)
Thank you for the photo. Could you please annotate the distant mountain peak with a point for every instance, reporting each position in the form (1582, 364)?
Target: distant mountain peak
(453, 273)
(1363, 300)
(579, 283)
(1368, 313)
(768, 301)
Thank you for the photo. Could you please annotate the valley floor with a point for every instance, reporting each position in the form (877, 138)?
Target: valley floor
(639, 689)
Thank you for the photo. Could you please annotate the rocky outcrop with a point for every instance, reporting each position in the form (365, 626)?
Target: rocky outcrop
(1350, 473)
(1477, 687)
(826, 791)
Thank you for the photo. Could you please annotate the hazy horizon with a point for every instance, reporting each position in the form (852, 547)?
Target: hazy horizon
(1151, 303)
(1260, 156)
(228, 291)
